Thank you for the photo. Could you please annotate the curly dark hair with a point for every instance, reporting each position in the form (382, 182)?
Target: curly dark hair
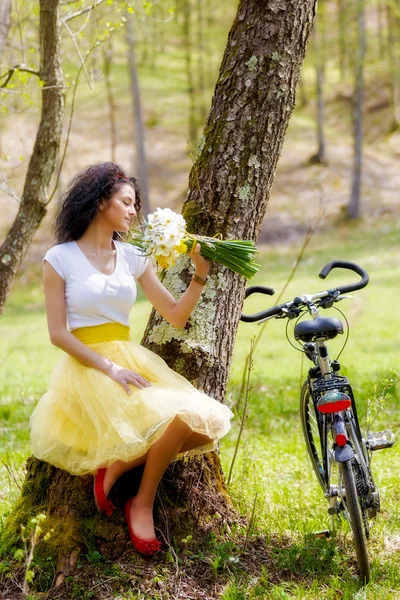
(81, 201)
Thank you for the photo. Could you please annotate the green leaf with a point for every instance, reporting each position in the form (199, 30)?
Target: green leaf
(4, 567)
(29, 576)
(19, 555)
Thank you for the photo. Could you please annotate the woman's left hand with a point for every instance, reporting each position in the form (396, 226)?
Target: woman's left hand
(202, 264)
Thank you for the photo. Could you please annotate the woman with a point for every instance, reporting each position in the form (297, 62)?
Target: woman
(112, 404)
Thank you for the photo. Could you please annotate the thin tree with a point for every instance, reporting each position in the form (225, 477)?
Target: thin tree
(319, 39)
(5, 21)
(353, 208)
(138, 116)
(33, 202)
(393, 23)
(112, 106)
(35, 196)
(380, 9)
(229, 188)
(302, 93)
(209, 22)
(342, 11)
(188, 47)
(201, 84)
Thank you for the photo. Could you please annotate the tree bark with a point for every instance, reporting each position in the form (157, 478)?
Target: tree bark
(353, 208)
(139, 127)
(229, 187)
(41, 165)
(5, 20)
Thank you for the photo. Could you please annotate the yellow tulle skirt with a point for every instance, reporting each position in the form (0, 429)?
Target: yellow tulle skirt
(86, 420)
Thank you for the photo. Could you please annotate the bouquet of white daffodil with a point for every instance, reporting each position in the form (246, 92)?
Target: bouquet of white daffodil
(165, 238)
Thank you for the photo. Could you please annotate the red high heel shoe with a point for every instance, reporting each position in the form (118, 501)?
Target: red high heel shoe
(103, 504)
(146, 547)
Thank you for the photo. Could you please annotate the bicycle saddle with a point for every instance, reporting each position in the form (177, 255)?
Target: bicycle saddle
(325, 327)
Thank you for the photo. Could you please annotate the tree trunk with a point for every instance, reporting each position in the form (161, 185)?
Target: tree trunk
(139, 127)
(112, 108)
(302, 93)
(380, 9)
(41, 165)
(229, 187)
(321, 152)
(393, 21)
(320, 45)
(202, 55)
(209, 21)
(5, 10)
(230, 181)
(353, 208)
(187, 36)
(342, 21)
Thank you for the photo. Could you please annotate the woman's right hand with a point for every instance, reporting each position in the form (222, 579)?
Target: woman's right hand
(126, 376)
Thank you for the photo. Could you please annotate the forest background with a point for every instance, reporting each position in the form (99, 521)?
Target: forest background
(351, 75)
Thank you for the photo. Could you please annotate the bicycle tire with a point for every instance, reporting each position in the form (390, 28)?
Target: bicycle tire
(354, 513)
(311, 433)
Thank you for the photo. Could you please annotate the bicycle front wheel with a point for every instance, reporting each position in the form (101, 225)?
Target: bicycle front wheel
(351, 502)
(309, 422)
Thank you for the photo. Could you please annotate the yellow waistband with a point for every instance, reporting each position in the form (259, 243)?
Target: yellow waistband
(102, 333)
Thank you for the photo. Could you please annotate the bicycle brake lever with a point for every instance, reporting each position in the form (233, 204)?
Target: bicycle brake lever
(329, 300)
(267, 319)
(339, 298)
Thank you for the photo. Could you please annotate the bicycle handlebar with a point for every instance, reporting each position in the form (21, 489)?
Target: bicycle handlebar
(343, 264)
(256, 289)
(276, 310)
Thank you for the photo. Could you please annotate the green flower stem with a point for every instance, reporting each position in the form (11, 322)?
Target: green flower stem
(237, 255)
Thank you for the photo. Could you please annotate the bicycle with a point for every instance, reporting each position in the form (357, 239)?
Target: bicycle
(328, 410)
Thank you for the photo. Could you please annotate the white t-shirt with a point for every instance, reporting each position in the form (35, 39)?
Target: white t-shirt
(93, 298)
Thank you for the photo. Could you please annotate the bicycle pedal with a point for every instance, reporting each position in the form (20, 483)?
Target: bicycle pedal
(380, 440)
(324, 534)
(334, 510)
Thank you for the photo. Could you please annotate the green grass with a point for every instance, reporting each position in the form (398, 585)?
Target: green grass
(271, 461)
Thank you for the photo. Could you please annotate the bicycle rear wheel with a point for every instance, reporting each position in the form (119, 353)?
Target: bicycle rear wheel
(309, 422)
(352, 507)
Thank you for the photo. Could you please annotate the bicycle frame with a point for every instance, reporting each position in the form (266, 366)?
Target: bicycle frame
(322, 379)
